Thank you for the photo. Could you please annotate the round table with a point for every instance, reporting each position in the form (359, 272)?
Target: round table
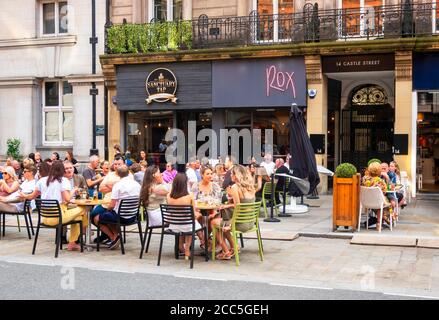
(204, 209)
(88, 204)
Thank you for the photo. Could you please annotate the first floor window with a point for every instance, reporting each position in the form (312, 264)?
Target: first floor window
(274, 19)
(166, 10)
(54, 17)
(57, 112)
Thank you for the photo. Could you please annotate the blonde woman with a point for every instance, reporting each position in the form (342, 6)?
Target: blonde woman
(242, 191)
(9, 184)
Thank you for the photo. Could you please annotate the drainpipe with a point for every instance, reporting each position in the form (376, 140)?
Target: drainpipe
(107, 25)
(93, 91)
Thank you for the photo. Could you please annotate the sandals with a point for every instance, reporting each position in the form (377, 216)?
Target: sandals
(223, 256)
(232, 252)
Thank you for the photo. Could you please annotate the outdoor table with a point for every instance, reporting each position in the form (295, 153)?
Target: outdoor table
(204, 209)
(89, 204)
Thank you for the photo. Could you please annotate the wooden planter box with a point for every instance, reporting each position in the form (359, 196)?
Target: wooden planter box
(346, 202)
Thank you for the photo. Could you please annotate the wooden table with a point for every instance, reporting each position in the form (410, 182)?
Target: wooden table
(204, 209)
(88, 204)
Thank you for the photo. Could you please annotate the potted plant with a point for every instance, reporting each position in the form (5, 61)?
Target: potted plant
(346, 196)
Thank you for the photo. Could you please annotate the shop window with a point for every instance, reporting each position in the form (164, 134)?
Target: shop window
(166, 10)
(54, 17)
(236, 118)
(57, 113)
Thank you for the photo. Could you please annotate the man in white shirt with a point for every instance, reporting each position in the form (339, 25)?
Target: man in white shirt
(12, 202)
(127, 187)
(268, 164)
(191, 174)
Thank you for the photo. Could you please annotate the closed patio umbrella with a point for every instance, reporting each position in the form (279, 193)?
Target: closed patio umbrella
(303, 160)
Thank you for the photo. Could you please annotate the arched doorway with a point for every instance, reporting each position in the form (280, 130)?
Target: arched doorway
(367, 126)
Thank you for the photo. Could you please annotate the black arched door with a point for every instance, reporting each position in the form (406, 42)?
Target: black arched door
(367, 127)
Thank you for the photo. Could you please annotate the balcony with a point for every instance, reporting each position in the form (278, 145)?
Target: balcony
(309, 26)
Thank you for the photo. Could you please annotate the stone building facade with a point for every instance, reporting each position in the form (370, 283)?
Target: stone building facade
(46, 75)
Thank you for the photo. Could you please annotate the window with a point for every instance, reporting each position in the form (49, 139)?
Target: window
(274, 19)
(57, 113)
(54, 17)
(362, 17)
(166, 10)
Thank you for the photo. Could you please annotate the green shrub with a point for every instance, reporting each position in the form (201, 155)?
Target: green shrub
(14, 148)
(373, 160)
(116, 38)
(132, 32)
(185, 34)
(345, 170)
(173, 36)
(150, 37)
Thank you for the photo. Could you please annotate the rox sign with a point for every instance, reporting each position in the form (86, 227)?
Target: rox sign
(161, 86)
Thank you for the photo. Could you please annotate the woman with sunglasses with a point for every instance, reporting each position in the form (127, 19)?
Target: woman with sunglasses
(9, 184)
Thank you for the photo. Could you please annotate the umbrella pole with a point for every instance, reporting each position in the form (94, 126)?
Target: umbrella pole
(272, 218)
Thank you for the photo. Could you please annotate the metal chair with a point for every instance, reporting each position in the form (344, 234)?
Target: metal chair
(128, 214)
(373, 198)
(52, 209)
(146, 233)
(266, 197)
(181, 216)
(26, 213)
(244, 213)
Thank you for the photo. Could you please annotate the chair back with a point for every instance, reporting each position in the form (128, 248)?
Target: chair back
(49, 209)
(267, 188)
(404, 178)
(177, 215)
(129, 208)
(371, 197)
(246, 213)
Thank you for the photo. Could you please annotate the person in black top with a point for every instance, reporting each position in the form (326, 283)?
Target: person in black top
(280, 168)
(229, 162)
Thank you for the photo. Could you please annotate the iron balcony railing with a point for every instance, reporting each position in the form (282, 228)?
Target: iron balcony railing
(309, 25)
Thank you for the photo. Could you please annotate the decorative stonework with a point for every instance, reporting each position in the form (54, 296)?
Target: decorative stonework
(313, 65)
(403, 65)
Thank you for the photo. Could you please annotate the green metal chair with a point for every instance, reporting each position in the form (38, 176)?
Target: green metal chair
(244, 213)
(266, 198)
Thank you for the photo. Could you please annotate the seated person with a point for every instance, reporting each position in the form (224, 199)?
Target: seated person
(374, 180)
(13, 203)
(152, 194)
(9, 184)
(125, 188)
(180, 196)
(390, 178)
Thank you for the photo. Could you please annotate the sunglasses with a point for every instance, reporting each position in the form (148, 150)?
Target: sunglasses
(5, 173)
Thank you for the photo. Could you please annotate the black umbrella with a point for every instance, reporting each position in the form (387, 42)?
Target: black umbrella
(303, 161)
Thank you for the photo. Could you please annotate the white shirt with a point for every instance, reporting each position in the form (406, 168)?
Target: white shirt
(269, 167)
(26, 187)
(125, 188)
(191, 176)
(54, 190)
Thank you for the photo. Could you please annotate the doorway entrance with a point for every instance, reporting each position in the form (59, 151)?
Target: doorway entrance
(367, 126)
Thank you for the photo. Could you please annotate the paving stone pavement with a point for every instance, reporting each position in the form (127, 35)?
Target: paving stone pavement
(297, 261)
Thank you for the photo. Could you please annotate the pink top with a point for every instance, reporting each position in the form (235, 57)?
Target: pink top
(168, 176)
(3, 193)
